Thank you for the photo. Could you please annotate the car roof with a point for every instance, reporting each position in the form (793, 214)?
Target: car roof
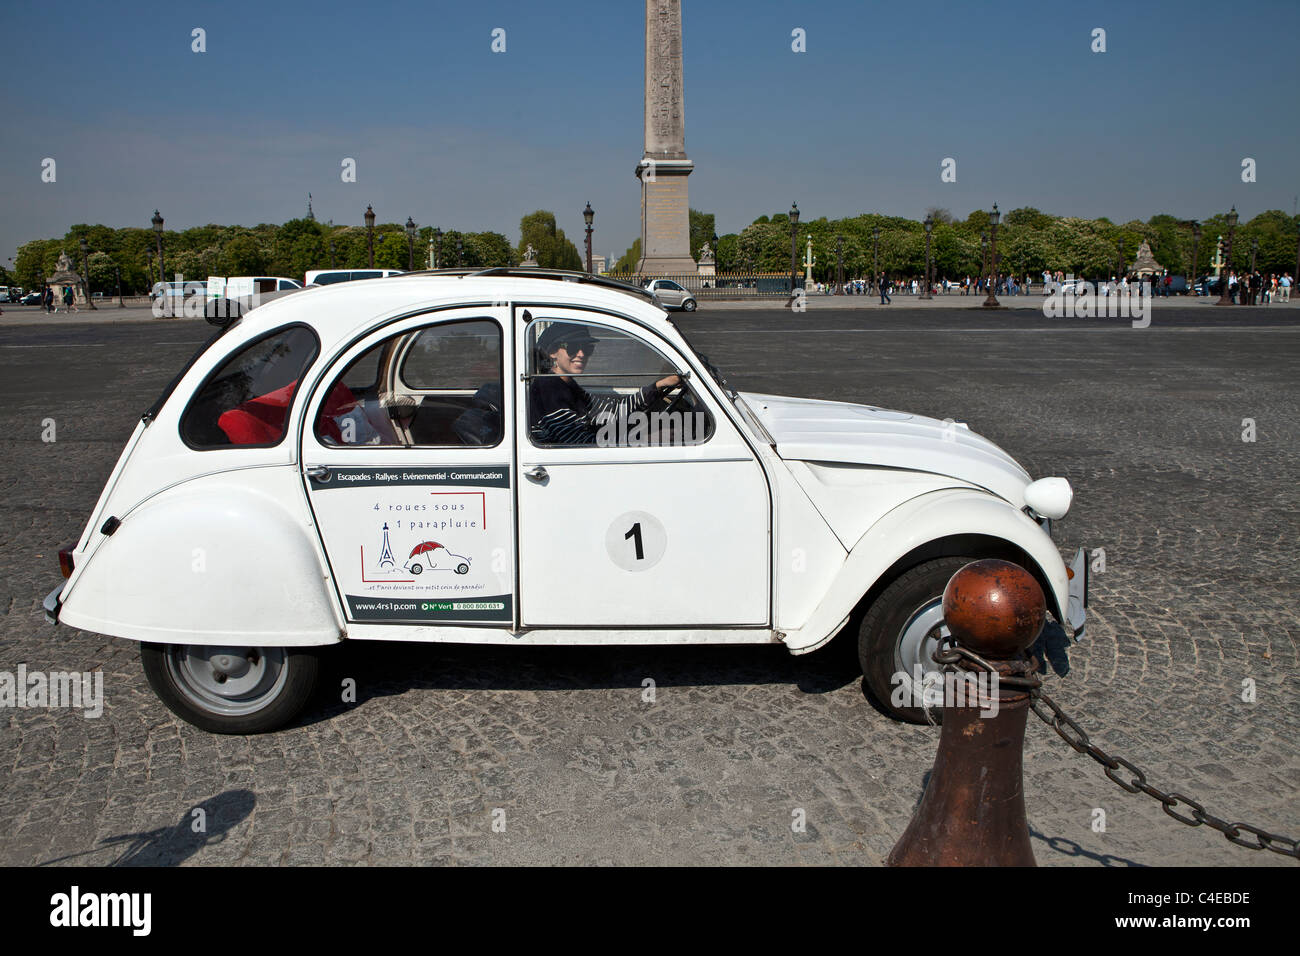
(341, 310)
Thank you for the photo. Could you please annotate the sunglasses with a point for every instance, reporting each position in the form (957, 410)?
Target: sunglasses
(573, 348)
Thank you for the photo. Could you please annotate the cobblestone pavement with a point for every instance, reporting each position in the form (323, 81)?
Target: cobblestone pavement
(1198, 595)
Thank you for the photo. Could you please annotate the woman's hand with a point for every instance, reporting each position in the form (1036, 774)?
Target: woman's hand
(672, 381)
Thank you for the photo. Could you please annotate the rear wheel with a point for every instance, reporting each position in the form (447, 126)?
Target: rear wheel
(898, 635)
(231, 690)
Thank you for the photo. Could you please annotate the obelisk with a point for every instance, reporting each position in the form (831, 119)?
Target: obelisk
(665, 211)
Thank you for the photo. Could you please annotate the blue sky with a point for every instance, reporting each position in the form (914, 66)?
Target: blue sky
(446, 131)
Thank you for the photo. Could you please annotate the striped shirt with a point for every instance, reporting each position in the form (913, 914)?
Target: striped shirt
(564, 413)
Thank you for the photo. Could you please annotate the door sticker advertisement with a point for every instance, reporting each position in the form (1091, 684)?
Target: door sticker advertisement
(420, 545)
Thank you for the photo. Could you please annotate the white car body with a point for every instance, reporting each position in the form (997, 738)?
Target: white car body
(773, 529)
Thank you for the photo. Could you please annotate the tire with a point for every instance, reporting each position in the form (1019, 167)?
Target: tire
(899, 630)
(688, 305)
(462, 568)
(416, 569)
(272, 685)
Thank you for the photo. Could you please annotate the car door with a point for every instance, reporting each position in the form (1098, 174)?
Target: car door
(406, 460)
(646, 523)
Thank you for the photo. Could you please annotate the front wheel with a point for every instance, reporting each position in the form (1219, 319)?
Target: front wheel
(899, 635)
(231, 690)
(689, 305)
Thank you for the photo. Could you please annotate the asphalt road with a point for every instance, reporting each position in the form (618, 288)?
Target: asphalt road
(1197, 600)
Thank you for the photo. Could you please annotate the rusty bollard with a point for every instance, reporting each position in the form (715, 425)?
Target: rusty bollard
(973, 810)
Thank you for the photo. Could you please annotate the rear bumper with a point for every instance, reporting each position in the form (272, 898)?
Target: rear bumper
(53, 604)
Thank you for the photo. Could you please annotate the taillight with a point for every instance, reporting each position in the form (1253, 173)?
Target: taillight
(65, 560)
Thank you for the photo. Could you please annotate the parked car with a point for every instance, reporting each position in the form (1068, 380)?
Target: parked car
(331, 276)
(179, 290)
(671, 295)
(260, 507)
(1209, 285)
(32, 298)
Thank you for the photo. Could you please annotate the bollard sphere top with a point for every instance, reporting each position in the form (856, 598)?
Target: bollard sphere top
(994, 608)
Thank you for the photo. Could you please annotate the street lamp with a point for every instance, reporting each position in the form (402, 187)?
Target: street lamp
(839, 265)
(588, 215)
(875, 255)
(1119, 257)
(794, 250)
(410, 244)
(117, 271)
(992, 301)
(717, 257)
(1196, 246)
(85, 270)
(332, 264)
(984, 255)
(437, 246)
(929, 227)
(1254, 251)
(370, 235)
(459, 249)
(157, 228)
(1224, 298)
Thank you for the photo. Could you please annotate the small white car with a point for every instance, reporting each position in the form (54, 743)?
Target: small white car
(671, 295)
(600, 482)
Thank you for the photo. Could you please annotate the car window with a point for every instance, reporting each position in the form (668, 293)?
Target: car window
(248, 399)
(435, 386)
(596, 386)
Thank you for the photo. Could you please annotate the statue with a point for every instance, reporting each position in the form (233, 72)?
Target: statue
(65, 264)
(706, 253)
(530, 257)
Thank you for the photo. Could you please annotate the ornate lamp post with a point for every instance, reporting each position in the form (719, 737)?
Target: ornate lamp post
(1295, 276)
(1224, 298)
(588, 215)
(370, 236)
(1196, 247)
(332, 265)
(839, 265)
(992, 301)
(410, 244)
(437, 247)
(984, 254)
(158, 228)
(1254, 251)
(716, 257)
(148, 258)
(794, 252)
(117, 271)
(875, 255)
(459, 250)
(929, 227)
(85, 270)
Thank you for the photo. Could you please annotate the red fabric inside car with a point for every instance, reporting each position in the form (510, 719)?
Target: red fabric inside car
(260, 420)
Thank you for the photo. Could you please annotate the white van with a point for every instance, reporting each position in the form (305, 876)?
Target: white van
(240, 286)
(330, 276)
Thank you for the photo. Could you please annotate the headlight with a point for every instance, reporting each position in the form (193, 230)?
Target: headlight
(1049, 497)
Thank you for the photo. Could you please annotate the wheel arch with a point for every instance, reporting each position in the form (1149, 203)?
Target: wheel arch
(946, 523)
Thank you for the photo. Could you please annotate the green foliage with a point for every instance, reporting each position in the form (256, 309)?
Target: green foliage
(702, 228)
(628, 261)
(554, 250)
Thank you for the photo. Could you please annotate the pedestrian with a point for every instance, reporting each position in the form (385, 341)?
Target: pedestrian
(68, 299)
(884, 292)
(47, 300)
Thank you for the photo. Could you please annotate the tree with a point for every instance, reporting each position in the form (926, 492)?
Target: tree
(702, 227)
(554, 250)
(939, 214)
(628, 262)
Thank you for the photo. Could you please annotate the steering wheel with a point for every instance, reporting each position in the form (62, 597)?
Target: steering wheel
(671, 398)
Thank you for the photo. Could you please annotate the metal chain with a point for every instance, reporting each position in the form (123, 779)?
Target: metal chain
(1075, 736)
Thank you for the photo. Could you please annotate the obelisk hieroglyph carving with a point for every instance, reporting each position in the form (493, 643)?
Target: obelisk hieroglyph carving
(665, 210)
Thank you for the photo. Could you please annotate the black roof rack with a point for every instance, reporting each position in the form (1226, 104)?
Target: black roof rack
(562, 275)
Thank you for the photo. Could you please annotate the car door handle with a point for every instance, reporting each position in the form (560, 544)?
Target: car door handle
(535, 472)
(319, 472)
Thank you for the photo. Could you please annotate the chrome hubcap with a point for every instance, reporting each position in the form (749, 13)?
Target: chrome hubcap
(228, 680)
(920, 638)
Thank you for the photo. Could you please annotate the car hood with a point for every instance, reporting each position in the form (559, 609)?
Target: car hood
(809, 430)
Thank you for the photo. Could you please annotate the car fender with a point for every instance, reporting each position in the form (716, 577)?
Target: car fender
(918, 522)
(229, 559)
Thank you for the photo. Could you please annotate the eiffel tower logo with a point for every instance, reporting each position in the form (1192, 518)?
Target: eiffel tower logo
(386, 552)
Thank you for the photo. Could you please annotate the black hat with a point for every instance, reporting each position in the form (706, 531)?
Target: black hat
(568, 332)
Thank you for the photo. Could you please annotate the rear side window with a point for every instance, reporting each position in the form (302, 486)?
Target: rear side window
(248, 399)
